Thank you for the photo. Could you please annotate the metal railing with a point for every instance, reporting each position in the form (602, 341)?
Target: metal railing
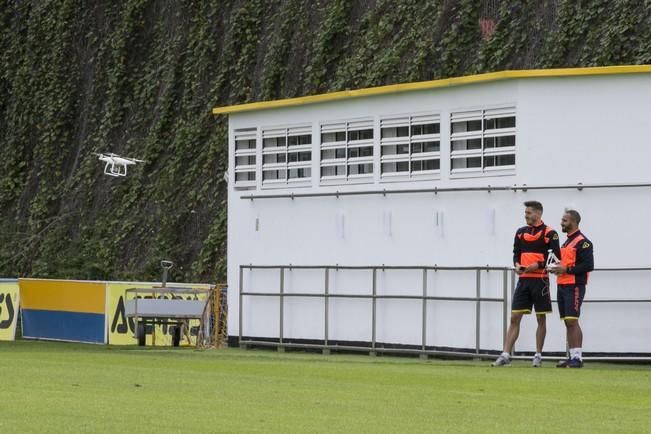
(373, 296)
(507, 283)
(436, 190)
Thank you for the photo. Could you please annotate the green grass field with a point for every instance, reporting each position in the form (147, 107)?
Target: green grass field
(58, 387)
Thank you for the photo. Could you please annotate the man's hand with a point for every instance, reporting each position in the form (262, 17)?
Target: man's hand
(520, 269)
(530, 268)
(558, 270)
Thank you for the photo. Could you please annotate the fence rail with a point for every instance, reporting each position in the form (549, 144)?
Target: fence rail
(436, 190)
(507, 283)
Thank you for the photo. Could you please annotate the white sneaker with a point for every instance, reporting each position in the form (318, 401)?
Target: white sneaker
(536, 362)
(502, 361)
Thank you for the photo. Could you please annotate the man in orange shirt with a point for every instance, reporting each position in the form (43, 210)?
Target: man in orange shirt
(530, 251)
(577, 260)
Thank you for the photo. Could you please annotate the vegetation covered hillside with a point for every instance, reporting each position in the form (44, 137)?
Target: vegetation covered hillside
(139, 78)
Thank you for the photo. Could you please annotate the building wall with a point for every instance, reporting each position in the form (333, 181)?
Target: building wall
(588, 130)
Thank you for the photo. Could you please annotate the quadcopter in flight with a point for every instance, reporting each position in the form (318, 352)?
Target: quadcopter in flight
(116, 165)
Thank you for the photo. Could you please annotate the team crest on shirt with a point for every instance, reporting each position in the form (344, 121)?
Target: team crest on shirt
(585, 245)
(555, 237)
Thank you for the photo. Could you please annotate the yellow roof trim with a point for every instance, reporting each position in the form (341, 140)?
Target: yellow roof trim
(433, 84)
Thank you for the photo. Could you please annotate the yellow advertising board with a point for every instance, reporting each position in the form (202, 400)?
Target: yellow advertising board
(121, 330)
(9, 302)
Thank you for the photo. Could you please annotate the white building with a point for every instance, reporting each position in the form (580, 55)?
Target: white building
(435, 174)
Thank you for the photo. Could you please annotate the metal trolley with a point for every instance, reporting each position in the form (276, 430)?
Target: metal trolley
(146, 305)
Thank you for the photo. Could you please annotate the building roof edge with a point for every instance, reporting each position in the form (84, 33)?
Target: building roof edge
(431, 84)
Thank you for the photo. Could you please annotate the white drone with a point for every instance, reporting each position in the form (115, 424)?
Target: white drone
(116, 165)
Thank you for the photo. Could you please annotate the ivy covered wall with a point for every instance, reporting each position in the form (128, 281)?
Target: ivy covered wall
(139, 78)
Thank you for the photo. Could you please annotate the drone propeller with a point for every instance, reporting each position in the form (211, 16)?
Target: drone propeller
(118, 157)
(105, 154)
(126, 160)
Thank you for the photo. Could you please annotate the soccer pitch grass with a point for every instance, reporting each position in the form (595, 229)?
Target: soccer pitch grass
(59, 387)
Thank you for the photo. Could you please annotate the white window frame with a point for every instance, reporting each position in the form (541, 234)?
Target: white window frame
(245, 134)
(409, 121)
(346, 127)
(482, 115)
(287, 149)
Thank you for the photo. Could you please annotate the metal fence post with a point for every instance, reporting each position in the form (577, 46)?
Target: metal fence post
(505, 305)
(477, 311)
(423, 355)
(282, 304)
(512, 292)
(241, 321)
(326, 302)
(373, 304)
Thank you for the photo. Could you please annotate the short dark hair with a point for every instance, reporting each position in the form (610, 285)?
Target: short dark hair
(575, 215)
(534, 204)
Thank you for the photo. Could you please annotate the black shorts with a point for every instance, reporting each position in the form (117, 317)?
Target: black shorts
(570, 299)
(532, 292)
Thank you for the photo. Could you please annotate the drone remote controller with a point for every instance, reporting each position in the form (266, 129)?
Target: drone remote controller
(552, 261)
